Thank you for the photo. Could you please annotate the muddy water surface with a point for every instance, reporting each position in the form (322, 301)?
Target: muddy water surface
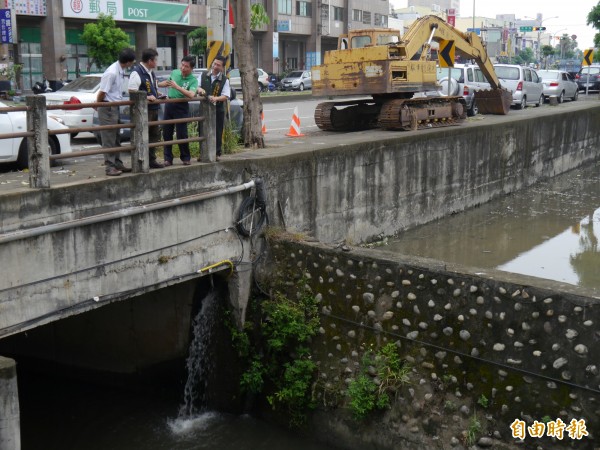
(550, 230)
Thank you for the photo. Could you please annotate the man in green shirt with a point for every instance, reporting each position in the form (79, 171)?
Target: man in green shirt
(182, 83)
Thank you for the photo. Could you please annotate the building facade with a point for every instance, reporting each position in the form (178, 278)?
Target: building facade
(46, 33)
(437, 5)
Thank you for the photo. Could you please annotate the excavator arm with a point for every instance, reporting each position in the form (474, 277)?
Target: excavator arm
(468, 44)
(432, 28)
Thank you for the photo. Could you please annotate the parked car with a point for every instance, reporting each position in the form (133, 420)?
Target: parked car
(235, 81)
(81, 90)
(15, 149)
(465, 80)
(297, 81)
(589, 77)
(559, 84)
(524, 83)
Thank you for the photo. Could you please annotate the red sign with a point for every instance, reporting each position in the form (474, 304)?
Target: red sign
(452, 16)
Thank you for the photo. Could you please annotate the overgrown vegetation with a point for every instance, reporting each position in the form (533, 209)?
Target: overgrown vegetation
(280, 364)
(231, 141)
(383, 373)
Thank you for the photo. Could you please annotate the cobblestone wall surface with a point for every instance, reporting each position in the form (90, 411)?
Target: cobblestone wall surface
(522, 343)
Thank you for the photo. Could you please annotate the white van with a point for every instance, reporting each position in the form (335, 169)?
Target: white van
(526, 86)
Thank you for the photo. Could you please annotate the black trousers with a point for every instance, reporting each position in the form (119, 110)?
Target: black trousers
(176, 111)
(220, 124)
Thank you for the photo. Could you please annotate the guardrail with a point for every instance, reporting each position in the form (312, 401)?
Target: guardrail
(37, 134)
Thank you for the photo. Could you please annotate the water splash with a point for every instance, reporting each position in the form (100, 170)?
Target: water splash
(199, 363)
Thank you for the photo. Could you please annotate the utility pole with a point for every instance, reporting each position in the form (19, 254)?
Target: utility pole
(215, 34)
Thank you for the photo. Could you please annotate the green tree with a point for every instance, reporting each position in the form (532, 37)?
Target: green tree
(566, 47)
(525, 56)
(593, 19)
(547, 51)
(258, 16)
(198, 42)
(104, 40)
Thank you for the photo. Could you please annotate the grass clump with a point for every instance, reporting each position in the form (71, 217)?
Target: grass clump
(383, 373)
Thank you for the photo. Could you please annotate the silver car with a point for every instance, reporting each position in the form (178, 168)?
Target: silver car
(297, 81)
(559, 84)
(465, 80)
(524, 83)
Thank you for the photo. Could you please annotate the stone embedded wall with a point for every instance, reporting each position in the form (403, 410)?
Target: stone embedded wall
(525, 345)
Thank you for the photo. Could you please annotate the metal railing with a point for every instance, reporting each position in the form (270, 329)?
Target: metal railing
(37, 134)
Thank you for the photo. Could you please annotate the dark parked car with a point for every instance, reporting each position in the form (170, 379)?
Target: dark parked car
(589, 77)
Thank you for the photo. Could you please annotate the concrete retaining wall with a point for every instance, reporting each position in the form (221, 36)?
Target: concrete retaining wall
(524, 344)
(375, 183)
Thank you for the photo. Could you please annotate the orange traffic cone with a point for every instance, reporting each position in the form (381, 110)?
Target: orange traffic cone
(262, 119)
(295, 126)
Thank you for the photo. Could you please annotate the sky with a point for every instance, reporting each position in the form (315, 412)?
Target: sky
(571, 15)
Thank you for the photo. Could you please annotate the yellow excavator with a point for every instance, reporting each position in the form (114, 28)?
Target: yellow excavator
(392, 69)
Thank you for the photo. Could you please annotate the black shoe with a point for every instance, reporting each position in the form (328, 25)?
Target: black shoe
(156, 165)
(120, 166)
(113, 171)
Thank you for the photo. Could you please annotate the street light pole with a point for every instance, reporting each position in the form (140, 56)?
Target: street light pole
(540, 34)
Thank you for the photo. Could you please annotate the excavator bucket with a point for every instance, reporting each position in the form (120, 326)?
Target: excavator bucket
(493, 101)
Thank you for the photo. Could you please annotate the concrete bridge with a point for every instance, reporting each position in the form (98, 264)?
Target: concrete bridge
(77, 247)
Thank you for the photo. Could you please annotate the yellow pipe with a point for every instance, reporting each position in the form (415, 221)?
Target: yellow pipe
(214, 266)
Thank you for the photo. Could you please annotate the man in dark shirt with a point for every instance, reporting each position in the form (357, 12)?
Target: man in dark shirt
(216, 85)
(142, 78)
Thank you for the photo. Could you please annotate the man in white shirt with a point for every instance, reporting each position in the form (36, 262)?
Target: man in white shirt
(111, 86)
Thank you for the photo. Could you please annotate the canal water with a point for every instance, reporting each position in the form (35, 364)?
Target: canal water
(64, 414)
(550, 230)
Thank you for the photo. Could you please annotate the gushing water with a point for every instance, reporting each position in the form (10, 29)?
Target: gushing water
(199, 363)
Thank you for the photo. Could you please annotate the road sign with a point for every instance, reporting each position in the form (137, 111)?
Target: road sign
(476, 30)
(446, 53)
(588, 57)
(6, 27)
(532, 29)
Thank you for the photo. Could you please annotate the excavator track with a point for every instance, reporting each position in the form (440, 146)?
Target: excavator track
(347, 116)
(422, 113)
(396, 114)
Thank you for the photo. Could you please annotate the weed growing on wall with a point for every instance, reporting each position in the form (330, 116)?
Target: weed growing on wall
(279, 363)
(383, 373)
(473, 431)
(483, 401)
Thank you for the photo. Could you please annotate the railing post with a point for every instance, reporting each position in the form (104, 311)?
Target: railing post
(140, 159)
(208, 129)
(37, 145)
